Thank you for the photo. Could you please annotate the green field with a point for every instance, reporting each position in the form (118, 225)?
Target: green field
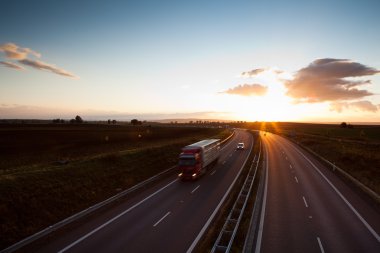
(50, 172)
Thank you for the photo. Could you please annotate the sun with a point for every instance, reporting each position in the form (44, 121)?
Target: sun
(273, 106)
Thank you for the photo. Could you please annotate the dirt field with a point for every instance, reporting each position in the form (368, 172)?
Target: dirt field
(50, 172)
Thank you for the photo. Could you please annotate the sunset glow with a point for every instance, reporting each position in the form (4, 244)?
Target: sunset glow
(267, 61)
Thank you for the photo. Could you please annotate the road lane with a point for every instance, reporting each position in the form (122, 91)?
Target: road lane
(303, 211)
(167, 221)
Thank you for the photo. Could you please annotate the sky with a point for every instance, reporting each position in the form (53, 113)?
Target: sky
(306, 61)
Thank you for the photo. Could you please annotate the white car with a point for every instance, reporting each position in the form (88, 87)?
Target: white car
(240, 146)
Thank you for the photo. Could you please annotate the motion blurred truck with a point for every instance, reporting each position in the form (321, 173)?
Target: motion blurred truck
(196, 158)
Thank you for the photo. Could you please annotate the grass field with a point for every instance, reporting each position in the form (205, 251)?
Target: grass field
(100, 161)
(355, 150)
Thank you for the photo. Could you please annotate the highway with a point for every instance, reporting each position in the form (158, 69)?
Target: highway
(307, 208)
(169, 217)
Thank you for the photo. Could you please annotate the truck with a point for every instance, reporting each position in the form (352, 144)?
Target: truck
(196, 158)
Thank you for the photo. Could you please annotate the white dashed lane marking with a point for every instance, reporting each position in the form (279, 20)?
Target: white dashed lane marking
(304, 200)
(196, 188)
(320, 245)
(158, 222)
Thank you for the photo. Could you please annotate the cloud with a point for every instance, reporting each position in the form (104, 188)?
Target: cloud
(247, 90)
(325, 80)
(253, 72)
(278, 71)
(45, 66)
(11, 65)
(12, 51)
(364, 105)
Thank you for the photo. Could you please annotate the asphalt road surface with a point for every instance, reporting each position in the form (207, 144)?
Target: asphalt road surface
(166, 218)
(306, 208)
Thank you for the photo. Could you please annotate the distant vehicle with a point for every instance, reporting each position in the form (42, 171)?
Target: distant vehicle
(196, 158)
(240, 146)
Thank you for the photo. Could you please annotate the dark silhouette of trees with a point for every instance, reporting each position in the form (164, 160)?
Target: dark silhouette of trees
(345, 125)
(78, 119)
(58, 121)
(136, 122)
(114, 121)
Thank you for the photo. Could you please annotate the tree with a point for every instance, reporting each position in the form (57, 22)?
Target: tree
(114, 121)
(78, 119)
(57, 121)
(343, 125)
(109, 122)
(136, 122)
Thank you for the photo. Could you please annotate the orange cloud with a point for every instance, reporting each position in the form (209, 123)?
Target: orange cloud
(363, 105)
(253, 72)
(12, 51)
(325, 80)
(11, 65)
(247, 90)
(45, 66)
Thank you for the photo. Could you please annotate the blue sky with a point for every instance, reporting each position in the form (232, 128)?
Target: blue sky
(159, 59)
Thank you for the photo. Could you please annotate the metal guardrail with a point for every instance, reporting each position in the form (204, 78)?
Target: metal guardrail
(252, 231)
(227, 139)
(250, 239)
(217, 208)
(227, 235)
(82, 213)
(356, 182)
(89, 210)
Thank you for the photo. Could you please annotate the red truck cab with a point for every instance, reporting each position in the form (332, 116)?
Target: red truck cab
(190, 163)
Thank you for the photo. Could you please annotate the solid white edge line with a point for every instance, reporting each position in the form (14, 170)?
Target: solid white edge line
(261, 226)
(205, 226)
(370, 229)
(114, 218)
(158, 222)
(320, 245)
(304, 200)
(296, 179)
(196, 188)
(229, 143)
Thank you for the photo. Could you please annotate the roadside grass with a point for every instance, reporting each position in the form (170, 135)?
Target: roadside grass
(360, 160)
(35, 144)
(355, 150)
(41, 194)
